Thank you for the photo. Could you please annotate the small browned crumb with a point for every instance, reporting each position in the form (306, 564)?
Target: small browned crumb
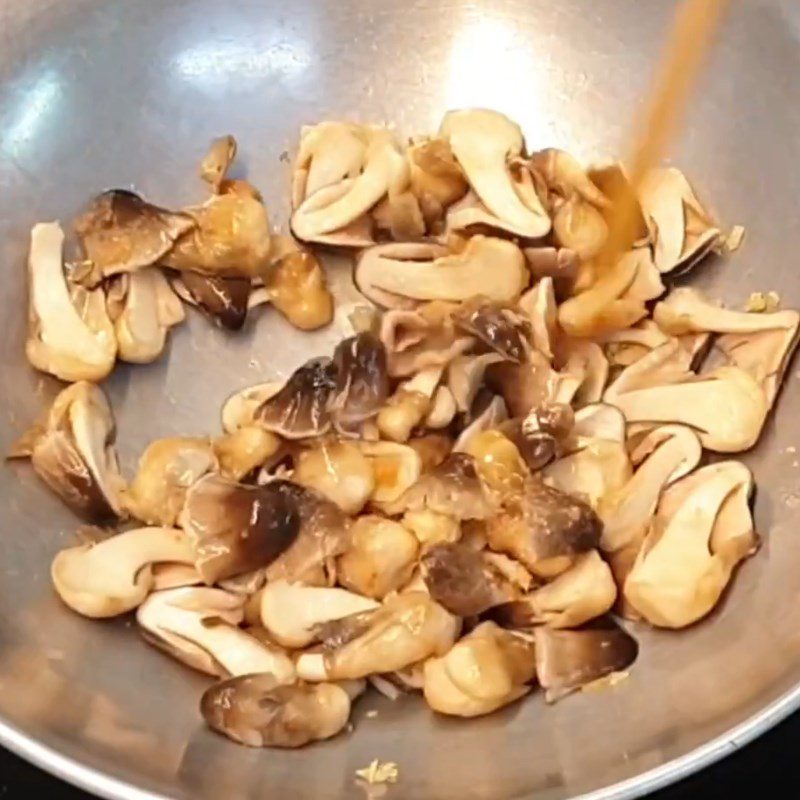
(733, 241)
(763, 302)
(379, 772)
(606, 682)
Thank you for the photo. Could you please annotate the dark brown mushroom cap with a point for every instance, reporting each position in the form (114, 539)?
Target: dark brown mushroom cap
(462, 580)
(254, 711)
(339, 632)
(542, 523)
(523, 386)
(502, 330)
(453, 488)
(362, 381)
(121, 232)
(224, 299)
(238, 528)
(538, 436)
(300, 410)
(569, 659)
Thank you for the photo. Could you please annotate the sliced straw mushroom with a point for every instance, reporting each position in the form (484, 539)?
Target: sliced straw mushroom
(542, 524)
(567, 660)
(198, 626)
(149, 308)
(498, 462)
(331, 209)
(297, 287)
(559, 264)
(121, 232)
(255, 711)
(588, 364)
(492, 416)
(436, 179)
(237, 528)
(442, 409)
(585, 591)
(703, 529)
(489, 668)
(362, 382)
(501, 329)
(405, 630)
(539, 306)
(681, 228)
(300, 410)
(380, 557)
(171, 575)
(565, 176)
(215, 164)
(230, 238)
(323, 535)
(464, 580)
(239, 410)
(465, 376)
(244, 450)
(625, 347)
(395, 467)
(74, 452)
(291, 612)
(225, 300)
(391, 275)
(526, 386)
(409, 405)
(432, 528)
(578, 226)
(613, 182)
(72, 343)
(484, 142)
(114, 576)
(167, 469)
(453, 488)
(338, 470)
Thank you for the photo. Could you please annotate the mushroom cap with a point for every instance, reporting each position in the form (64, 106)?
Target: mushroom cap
(254, 711)
(239, 410)
(225, 300)
(502, 330)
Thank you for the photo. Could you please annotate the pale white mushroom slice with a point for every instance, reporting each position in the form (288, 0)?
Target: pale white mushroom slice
(409, 405)
(291, 612)
(405, 630)
(396, 468)
(393, 274)
(681, 228)
(486, 670)
(435, 178)
(170, 575)
(443, 409)
(115, 575)
(73, 452)
(539, 305)
(149, 309)
(240, 408)
(491, 416)
(695, 543)
(62, 341)
(646, 283)
(465, 376)
(564, 174)
(587, 364)
(624, 347)
(579, 227)
(484, 142)
(198, 626)
(327, 210)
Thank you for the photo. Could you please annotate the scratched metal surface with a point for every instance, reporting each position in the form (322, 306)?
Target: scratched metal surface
(105, 94)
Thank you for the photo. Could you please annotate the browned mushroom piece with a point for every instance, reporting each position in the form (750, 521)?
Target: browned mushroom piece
(300, 410)
(502, 330)
(223, 299)
(463, 580)
(567, 660)
(540, 435)
(215, 164)
(121, 232)
(256, 711)
(524, 386)
(362, 382)
(297, 287)
(238, 528)
(453, 488)
(560, 264)
(323, 535)
(542, 524)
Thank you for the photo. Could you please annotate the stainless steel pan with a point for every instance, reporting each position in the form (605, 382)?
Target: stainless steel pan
(112, 94)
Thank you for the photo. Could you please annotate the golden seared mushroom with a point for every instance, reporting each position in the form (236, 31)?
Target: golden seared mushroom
(121, 232)
(538, 305)
(465, 581)
(379, 558)
(488, 669)
(244, 450)
(148, 308)
(395, 467)
(484, 142)
(256, 711)
(215, 164)
(409, 405)
(502, 330)
(442, 410)
(237, 528)
(579, 226)
(239, 410)
(566, 177)
(726, 406)
(682, 230)
(73, 452)
(167, 469)
(567, 660)
(171, 575)
(199, 627)
(404, 274)
(114, 576)
(541, 436)
(432, 528)
(338, 470)
(323, 535)
(292, 612)
(362, 382)
(498, 462)
(300, 410)
(541, 525)
(225, 300)
(72, 341)
(436, 179)
(406, 629)
(558, 264)
(702, 530)
(296, 286)
(481, 419)
(328, 214)
(585, 591)
(453, 488)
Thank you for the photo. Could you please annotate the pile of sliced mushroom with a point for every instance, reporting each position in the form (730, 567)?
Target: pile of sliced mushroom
(469, 493)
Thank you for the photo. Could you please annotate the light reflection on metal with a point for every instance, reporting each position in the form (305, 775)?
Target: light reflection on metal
(36, 104)
(226, 59)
